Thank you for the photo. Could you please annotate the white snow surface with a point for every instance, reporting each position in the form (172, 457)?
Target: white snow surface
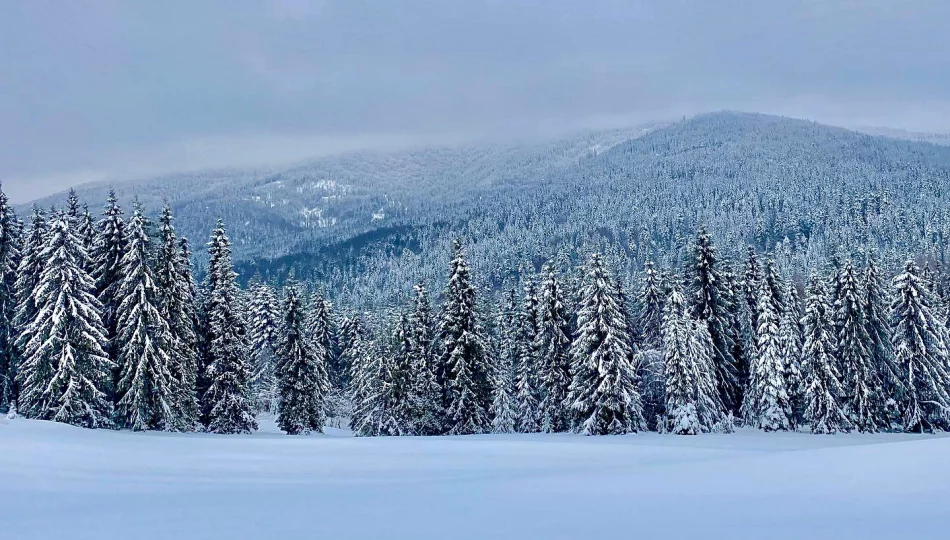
(58, 481)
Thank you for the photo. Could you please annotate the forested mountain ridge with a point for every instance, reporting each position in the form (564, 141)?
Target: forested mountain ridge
(366, 226)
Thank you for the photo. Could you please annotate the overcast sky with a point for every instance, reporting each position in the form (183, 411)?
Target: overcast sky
(101, 89)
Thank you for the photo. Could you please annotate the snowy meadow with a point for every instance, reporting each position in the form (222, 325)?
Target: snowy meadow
(58, 481)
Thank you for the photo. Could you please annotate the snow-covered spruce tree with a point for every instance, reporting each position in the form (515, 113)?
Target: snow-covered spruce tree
(650, 316)
(821, 387)
(106, 260)
(27, 286)
(302, 378)
(425, 391)
(863, 391)
(467, 390)
(692, 400)
(790, 349)
(397, 382)
(920, 351)
(86, 229)
(322, 333)
(66, 373)
(146, 393)
(369, 380)
(227, 402)
(176, 303)
(9, 258)
(751, 283)
(876, 305)
(504, 407)
(527, 382)
(264, 329)
(603, 395)
(708, 301)
(554, 349)
(733, 298)
(766, 405)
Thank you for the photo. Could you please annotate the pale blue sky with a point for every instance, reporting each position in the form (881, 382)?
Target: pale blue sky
(106, 89)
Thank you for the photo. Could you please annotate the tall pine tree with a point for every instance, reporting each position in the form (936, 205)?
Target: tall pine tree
(227, 401)
(603, 394)
(301, 375)
(554, 349)
(920, 350)
(466, 387)
(65, 374)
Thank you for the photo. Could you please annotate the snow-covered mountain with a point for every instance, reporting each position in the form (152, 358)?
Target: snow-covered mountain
(368, 225)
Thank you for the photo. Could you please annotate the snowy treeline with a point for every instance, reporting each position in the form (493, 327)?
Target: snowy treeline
(103, 325)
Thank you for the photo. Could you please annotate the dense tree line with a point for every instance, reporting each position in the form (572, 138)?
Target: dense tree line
(102, 324)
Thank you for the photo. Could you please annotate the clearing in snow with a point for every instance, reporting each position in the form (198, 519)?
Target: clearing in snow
(58, 481)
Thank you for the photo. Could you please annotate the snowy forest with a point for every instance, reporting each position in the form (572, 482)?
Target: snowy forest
(104, 324)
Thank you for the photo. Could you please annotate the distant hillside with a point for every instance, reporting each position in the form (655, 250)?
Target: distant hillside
(367, 226)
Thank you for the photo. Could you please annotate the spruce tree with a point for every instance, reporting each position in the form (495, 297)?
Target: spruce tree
(226, 402)
(264, 330)
(176, 303)
(65, 373)
(766, 404)
(106, 261)
(650, 317)
(751, 283)
(527, 383)
(821, 386)
(397, 384)
(366, 376)
(708, 302)
(426, 394)
(504, 409)
(28, 273)
(920, 351)
(790, 348)
(554, 349)
(603, 394)
(301, 376)
(875, 306)
(466, 387)
(692, 398)
(9, 258)
(862, 386)
(146, 394)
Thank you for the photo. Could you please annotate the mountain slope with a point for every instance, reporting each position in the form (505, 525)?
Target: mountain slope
(365, 227)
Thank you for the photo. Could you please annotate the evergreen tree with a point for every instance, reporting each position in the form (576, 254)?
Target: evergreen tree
(821, 387)
(226, 402)
(650, 317)
(603, 392)
(396, 392)
(9, 258)
(302, 378)
(504, 409)
(28, 273)
(791, 340)
(751, 283)
(146, 395)
(264, 328)
(920, 351)
(554, 348)
(367, 379)
(466, 388)
(709, 303)
(425, 392)
(863, 390)
(176, 303)
(692, 398)
(877, 326)
(766, 405)
(106, 260)
(527, 383)
(65, 373)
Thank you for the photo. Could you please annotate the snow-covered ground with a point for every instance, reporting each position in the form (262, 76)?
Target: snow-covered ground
(60, 482)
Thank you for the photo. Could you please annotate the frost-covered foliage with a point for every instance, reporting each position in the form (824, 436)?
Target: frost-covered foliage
(821, 384)
(65, 376)
(227, 402)
(603, 394)
(301, 375)
(920, 349)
